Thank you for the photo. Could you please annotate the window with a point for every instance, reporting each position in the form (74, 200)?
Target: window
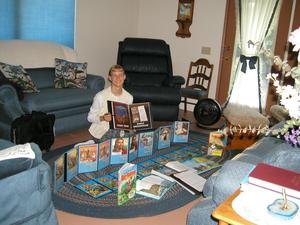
(48, 20)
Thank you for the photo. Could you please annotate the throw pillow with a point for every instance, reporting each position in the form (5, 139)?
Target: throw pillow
(70, 74)
(18, 75)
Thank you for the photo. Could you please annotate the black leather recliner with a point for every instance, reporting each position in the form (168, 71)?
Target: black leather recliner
(149, 76)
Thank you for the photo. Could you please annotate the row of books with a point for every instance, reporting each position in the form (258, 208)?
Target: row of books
(156, 176)
(90, 156)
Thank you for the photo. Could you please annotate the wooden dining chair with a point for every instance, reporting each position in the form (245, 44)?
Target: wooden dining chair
(198, 82)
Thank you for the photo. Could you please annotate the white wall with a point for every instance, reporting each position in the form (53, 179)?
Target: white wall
(101, 24)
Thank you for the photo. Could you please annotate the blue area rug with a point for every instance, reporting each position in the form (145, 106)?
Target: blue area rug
(70, 199)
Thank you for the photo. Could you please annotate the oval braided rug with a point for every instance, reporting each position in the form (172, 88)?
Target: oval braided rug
(70, 199)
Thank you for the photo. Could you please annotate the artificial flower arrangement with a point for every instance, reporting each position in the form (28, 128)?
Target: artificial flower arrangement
(289, 95)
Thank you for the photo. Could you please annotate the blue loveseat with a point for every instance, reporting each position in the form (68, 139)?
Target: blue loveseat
(227, 180)
(69, 105)
(25, 190)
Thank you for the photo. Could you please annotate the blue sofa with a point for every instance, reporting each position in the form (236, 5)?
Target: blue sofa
(69, 105)
(227, 180)
(25, 190)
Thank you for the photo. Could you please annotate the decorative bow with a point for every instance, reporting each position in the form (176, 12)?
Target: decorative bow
(252, 62)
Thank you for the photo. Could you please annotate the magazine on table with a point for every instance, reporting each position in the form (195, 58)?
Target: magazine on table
(133, 147)
(71, 163)
(108, 181)
(87, 158)
(59, 172)
(153, 186)
(126, 183)
(135, 116)
(104, 154)
(146, 141)
(93, 188)
(181, 131)
(119, 150)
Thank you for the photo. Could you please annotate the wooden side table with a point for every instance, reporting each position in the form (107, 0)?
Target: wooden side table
(226, 215)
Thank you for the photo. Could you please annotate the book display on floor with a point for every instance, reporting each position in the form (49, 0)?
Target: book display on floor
(90, 157)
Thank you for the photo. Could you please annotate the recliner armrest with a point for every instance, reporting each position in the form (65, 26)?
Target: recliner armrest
(95, 82)
(174, 81)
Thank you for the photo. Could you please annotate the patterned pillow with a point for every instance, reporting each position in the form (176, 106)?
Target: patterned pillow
(69, 74)
(18, 75)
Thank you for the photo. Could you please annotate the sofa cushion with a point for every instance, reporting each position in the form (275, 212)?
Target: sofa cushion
(42, 77)
(51, 99)
(69, 74)
(15, 159)
(18, 75)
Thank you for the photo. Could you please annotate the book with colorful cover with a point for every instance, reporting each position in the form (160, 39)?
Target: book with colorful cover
(275, 178)
(126, 183)
(109, 181)
(133, 147)
(201, 164)
(153, 186)
(136, 116)
(162, 160)
(104, 154)
(177, 156)
(217, 142)
(59, 172)
(164, 134)
(146, 141)
(150, 164)
(72, 163)
(93, 188)
(164, 172)
(119, 150)
(181, 131)
(87, 158)
(143, 171)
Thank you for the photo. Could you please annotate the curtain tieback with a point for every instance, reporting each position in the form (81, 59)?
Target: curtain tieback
(252, 62)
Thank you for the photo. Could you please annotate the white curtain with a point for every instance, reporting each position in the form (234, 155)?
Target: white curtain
(256, 21)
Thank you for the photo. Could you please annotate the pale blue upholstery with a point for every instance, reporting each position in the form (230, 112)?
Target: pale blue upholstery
(69, 105)
(26, 195)
(227, 180)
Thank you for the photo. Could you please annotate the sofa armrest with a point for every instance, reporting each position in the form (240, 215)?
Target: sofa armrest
(10, 107)
(174, 81)
(229, 179)
(95, 82)
(12, 166)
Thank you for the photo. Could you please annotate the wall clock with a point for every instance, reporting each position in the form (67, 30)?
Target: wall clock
(184, 17)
